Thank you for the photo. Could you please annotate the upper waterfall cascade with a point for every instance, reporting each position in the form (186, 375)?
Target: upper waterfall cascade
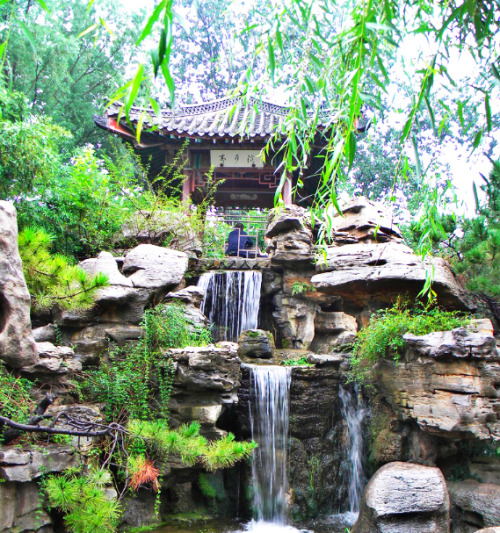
(231, 302)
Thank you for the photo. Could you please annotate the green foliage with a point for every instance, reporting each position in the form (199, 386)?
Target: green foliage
(83, 204)
(185, 441)
(471, 245)
(301, 361)
(300, 287)
(64, 72)
(51, 280)
(140, 377)
(83, 500)
(383, 336)
(15, 401)
(29, 146)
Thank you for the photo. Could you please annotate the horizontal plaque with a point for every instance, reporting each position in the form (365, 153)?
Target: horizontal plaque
(236, 158)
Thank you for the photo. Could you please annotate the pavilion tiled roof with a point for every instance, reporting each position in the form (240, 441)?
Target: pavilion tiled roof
(234, 117)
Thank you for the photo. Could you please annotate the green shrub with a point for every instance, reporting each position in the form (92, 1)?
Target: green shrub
(138, 379)
(383, 337)
(15, 401)
(160, 441)
(52, 281)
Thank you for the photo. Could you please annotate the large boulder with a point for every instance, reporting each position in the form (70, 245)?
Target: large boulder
(31, 462)
(294, 319)
(474, 505)
(152, 267)
(17, 347)
(404, 498)
(448, 383)
(362, 273)
(21, 509)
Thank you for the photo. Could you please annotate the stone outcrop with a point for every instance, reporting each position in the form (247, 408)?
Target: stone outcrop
(205, 385)
(151, 272)
(404, 498)
(190, 299)
(474, 505)
(52, 360)
(291, 237)
(447, 384)
(21, 509)
(363, 221)
(157, 227)
(17, 347)
(29, 463)
(255, 344)
(363, 272)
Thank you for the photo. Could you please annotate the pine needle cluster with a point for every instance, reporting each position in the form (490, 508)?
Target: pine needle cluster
(52, 281)
(156, 439)
(83, 500)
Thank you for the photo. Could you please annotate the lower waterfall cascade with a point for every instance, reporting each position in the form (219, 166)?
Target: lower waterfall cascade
(269, 419)
(354, 413)
(231, 302)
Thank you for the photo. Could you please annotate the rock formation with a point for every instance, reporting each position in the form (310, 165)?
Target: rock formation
(17, 347)
(404, 498)
(447, 383)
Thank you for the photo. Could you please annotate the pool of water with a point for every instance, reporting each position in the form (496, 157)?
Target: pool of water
(332, 524)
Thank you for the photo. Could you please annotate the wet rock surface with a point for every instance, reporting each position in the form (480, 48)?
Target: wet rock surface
(29, 463)
(21, 509)
(205, 385)
(17, 346)
(255, 344)
(404, 498)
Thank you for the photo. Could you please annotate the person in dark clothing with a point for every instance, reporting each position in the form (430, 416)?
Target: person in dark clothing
(238, 242)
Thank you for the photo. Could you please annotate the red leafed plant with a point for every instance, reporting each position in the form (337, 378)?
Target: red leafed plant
(143, 471)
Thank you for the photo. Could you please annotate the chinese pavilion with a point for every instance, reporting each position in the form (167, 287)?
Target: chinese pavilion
(228, 135)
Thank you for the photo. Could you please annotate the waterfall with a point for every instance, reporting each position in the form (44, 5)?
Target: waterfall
(231, 302)
(353, 412)
(269, 412)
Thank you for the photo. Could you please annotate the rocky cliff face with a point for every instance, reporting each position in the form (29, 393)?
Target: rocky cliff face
(17, 347)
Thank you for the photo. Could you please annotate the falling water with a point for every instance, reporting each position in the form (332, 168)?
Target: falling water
(269, 410)
(354, 412)
(231, 301)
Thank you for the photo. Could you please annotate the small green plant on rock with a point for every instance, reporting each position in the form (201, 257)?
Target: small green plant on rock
(383, 337)
(301, 361)
(300, 287)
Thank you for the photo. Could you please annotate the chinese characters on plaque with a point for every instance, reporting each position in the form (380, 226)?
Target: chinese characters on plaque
(236, 158)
